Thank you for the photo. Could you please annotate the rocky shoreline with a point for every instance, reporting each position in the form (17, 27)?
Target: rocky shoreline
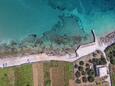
(60, 40)
(108, 38)
(35, 45)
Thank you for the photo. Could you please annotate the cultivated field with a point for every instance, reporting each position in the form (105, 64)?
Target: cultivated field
(57, 73)
(16, 76)
(57, 76)
(38, 74)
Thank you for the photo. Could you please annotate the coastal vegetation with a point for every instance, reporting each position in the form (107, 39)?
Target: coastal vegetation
(110, 52)
(98, 61)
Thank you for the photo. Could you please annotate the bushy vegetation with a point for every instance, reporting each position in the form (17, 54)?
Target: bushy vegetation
(78, 81)
(84, 79)
(91, 79)
(98, 61)
(84, 73)
(110, 52)
(81, 63)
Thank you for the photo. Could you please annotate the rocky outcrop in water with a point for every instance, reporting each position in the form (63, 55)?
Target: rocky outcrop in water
(63, 4)
(83, 6)
(67, 26)
(63, 38)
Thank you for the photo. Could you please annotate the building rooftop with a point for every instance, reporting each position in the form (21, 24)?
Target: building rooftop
(102, 71)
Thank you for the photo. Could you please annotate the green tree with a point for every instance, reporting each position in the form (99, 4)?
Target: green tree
(102, 61)
(90, 60)
(75, 66)
(94, 54)
(77, 74)
(81, 63)
(91, 72)
(87, 65)
(84, 79)
(87, 69)
(112, 61)
(83, 72)
(78, 81)
(80, 68)
(90, 78)
(95, 61)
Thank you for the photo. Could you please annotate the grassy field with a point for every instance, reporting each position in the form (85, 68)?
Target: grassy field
(23, 75)
(16, 76)
(4, 79)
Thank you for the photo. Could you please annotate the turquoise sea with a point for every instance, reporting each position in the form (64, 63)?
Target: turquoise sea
(19, 18)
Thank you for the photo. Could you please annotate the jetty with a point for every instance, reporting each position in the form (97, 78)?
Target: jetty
(83, 50)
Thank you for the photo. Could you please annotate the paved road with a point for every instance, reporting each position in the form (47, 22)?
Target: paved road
(81, 51)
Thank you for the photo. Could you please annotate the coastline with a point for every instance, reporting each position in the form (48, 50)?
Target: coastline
(71, 57)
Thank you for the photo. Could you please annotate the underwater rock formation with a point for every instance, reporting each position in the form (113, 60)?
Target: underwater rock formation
(61, 39)
(63, 4)
(67, 26)
(83, 6)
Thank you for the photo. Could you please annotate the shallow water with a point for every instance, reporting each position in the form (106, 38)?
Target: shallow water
(18, 18)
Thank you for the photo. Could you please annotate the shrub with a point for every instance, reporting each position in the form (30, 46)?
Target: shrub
(98, 51)
(87, 65)
(81, 63)
(80, 68)
(83, 72)
(112, 61)
(94, 54)
(78, 81)
(75, 66)
(95, 61)
(87, 69)
(90, 78)
(90, 60)
(90, 72)
(103, 61)
(77, 74)
(84, 79)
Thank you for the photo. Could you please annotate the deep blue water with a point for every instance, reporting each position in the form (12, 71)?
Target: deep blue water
(18, 18)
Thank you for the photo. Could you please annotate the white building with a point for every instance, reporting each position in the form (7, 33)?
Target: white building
(102, 71)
